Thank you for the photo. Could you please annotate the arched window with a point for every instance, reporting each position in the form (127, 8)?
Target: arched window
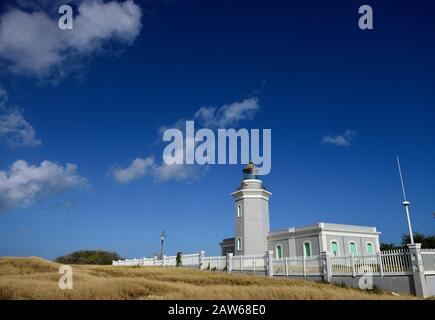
(239, 243)
(352, 248)
(307, 249)
(239, 211)
(334, 248)
(369, 246)
(278, 251)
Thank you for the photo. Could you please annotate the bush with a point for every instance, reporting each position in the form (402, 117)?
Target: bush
(89, 257)
(179, 260)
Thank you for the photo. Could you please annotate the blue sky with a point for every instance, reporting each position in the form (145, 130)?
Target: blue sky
(96, 100)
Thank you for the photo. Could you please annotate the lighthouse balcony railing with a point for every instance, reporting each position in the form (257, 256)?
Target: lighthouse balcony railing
(262, 186)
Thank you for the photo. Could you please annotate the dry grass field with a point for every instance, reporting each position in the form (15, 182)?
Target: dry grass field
(35, 278)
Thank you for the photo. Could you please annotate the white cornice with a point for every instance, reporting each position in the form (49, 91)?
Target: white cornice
(251, 193)
(317, 229)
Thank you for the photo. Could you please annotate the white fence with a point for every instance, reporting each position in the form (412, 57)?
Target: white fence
(249, 263)
(190, 260)
(215, 263)
(134, 262)
(428, 256)
(301, 266)
(396, 261)
(393, 262)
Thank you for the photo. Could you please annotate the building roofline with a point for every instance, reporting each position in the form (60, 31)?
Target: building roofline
(322, 226)
(228, 241)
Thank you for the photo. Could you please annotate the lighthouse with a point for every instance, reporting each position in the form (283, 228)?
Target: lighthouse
(251, 214)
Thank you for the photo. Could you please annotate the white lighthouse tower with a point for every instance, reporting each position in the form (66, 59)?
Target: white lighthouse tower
(251, 215)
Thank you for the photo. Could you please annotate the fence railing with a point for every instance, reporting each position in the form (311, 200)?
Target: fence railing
(170, 261)
(428, 256)
(302, 266)
(396, 261)
(191, 260)
(249, 263)
(393, 262)
(215, 263)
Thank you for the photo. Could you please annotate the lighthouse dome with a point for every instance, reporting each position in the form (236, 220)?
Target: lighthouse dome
(249, 172)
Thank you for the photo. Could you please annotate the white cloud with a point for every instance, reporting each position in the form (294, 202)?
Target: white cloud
(138, 168)
(14, 129)
(220, 117)
(343, 140)
(229, 114)
(32, 44)
(3, 97)
(141, 167)
(43, 4)
(98, 21)
(24, 184)
(178, 172)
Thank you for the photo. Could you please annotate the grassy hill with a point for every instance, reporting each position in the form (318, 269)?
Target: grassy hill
(35, 278)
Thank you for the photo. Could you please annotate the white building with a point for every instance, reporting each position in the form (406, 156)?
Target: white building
(253, 235)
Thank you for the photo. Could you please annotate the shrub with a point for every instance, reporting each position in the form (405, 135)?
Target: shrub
(179, 259)
(89, 257)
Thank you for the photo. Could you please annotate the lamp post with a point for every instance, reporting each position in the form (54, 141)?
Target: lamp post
(406, 204)
(162, 239)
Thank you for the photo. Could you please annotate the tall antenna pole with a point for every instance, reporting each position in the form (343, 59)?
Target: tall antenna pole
(162, 239)
(405, 203)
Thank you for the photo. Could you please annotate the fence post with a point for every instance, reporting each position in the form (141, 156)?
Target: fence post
(154, 260)
(201, 259)
(418, 270)
(327, 267)
(352, 259)
(269, 259)
(304, 265)
(286, 266)
(241, 263)
(229, 262)
(163, 261)
(381, 267)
